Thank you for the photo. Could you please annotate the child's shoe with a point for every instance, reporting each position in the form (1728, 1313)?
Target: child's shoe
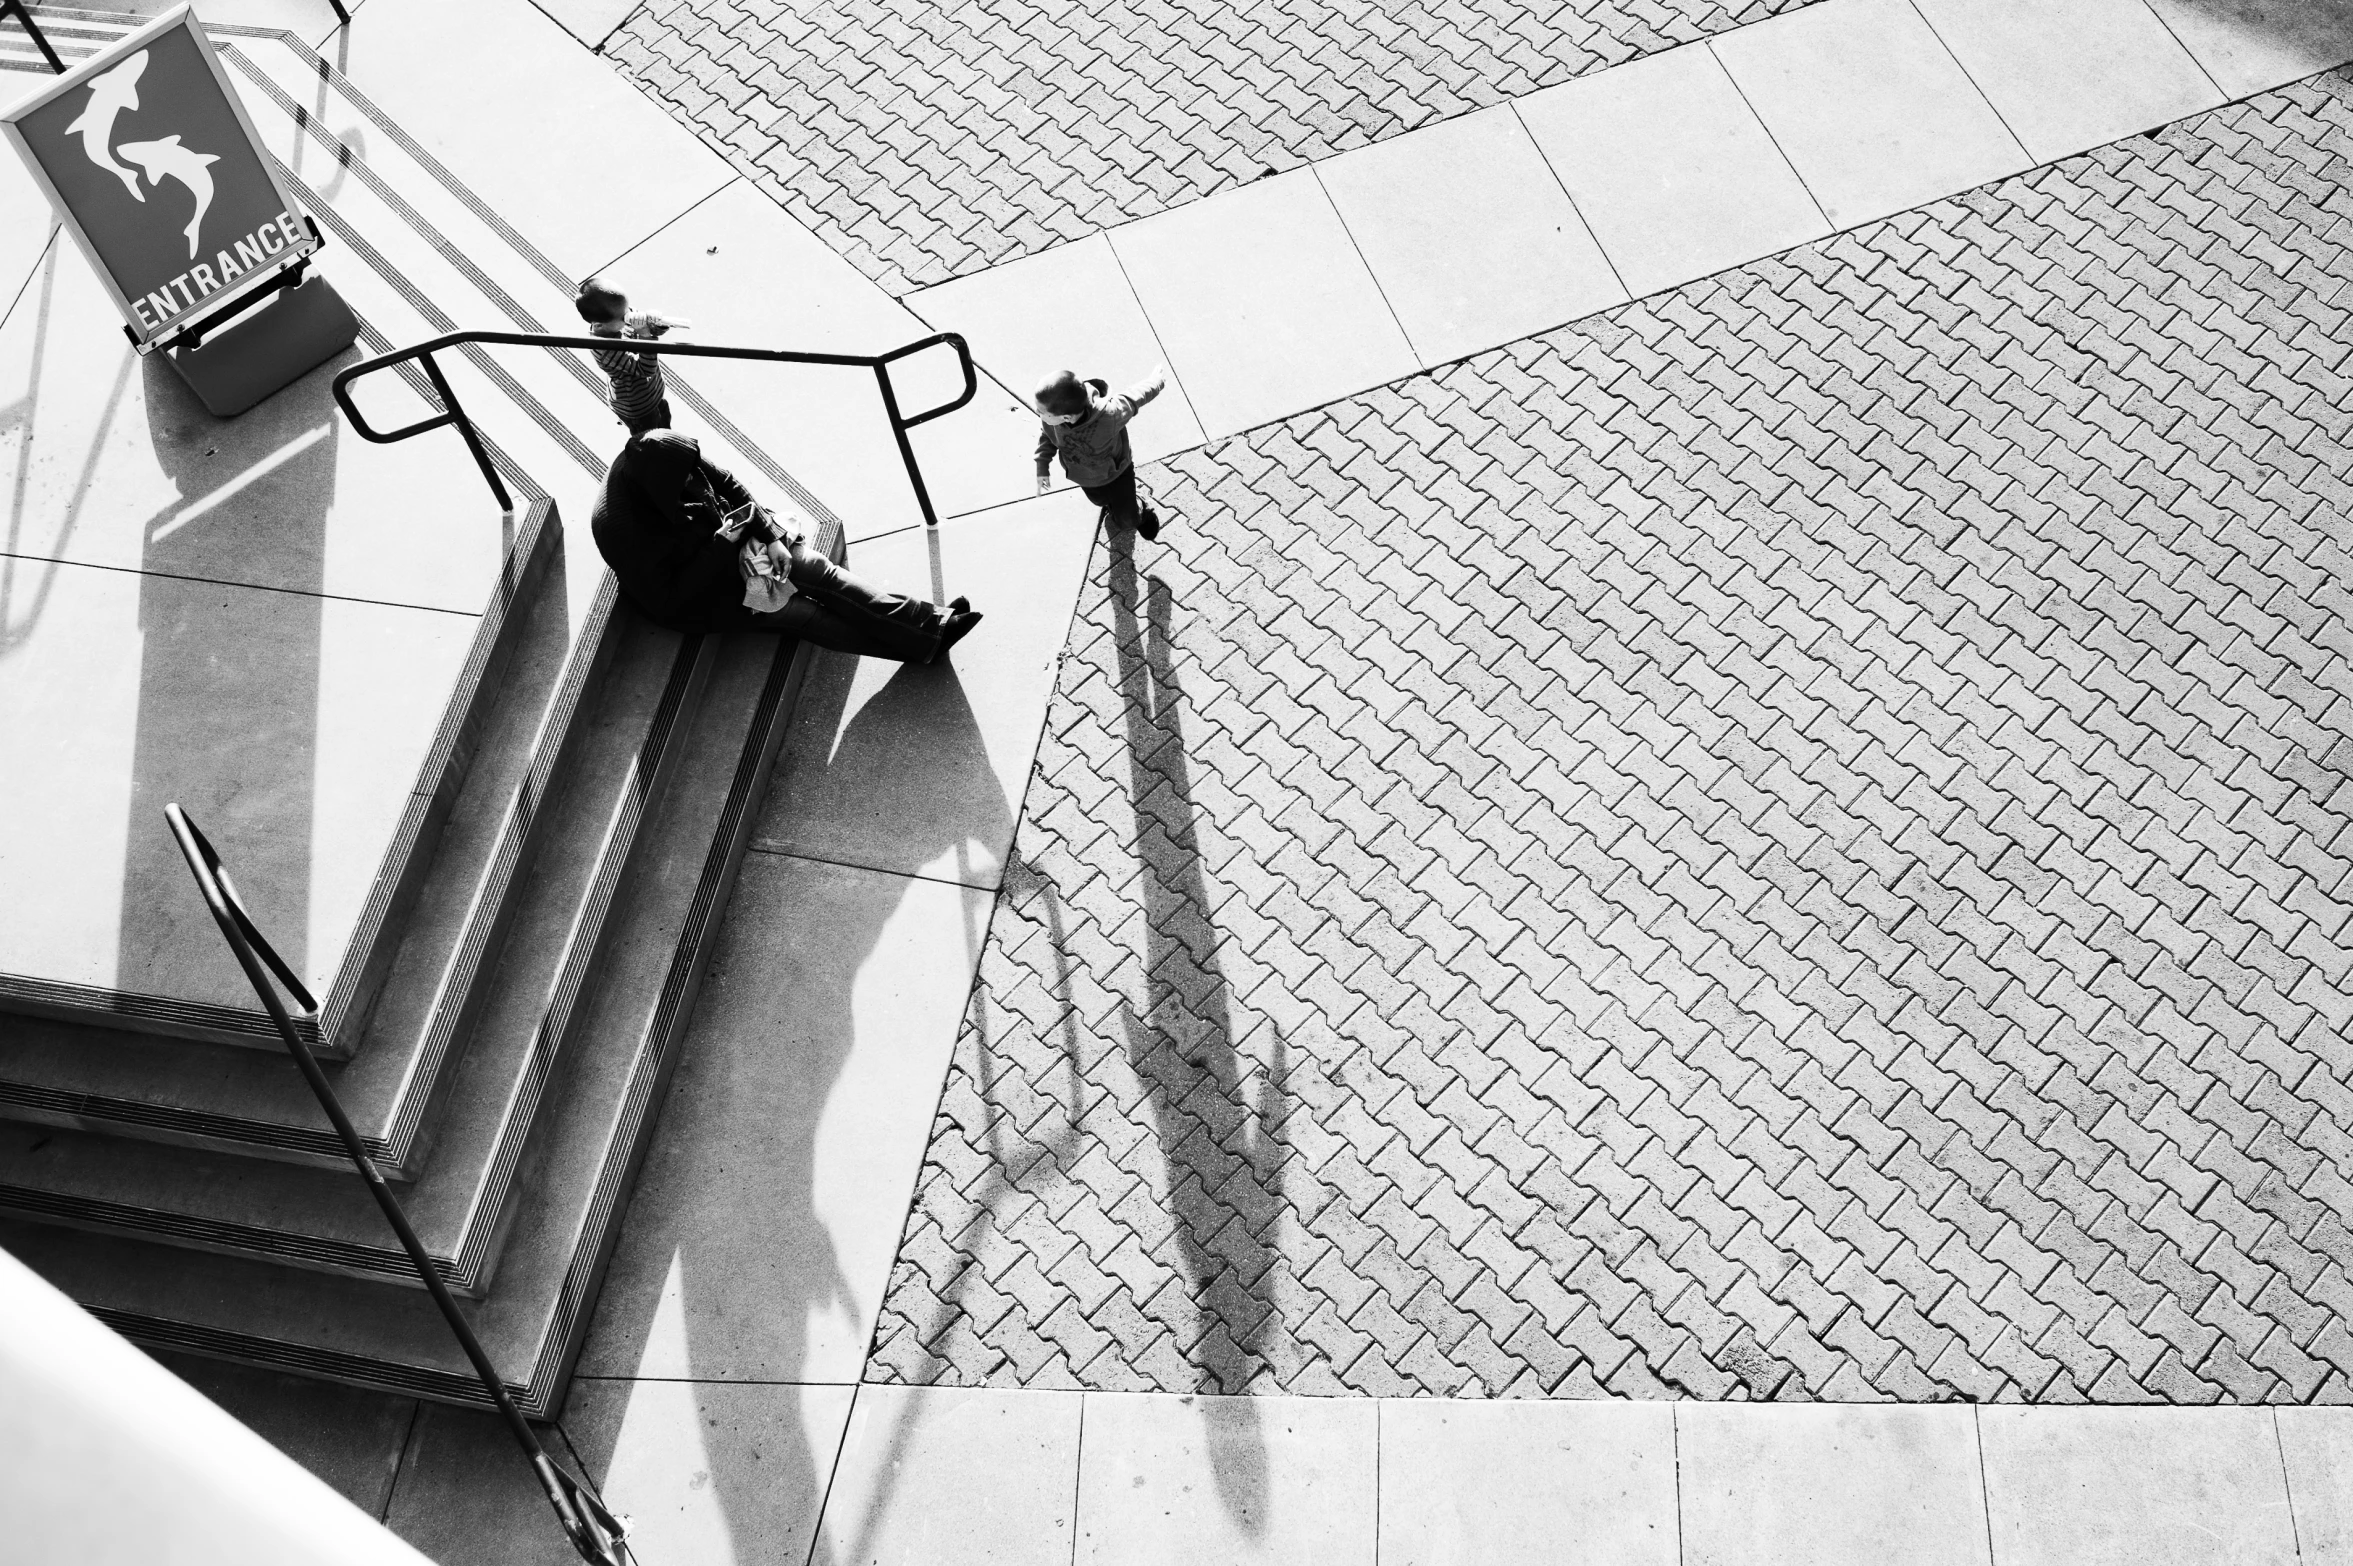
(1147, 524)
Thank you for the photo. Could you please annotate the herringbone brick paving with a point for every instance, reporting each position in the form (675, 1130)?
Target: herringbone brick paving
(924, 142)
(1787, 841)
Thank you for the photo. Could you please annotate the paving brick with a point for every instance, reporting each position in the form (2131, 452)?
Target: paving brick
(926, 143)
(1805, 891)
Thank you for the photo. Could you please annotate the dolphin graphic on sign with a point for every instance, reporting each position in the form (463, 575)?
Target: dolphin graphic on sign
(167, 159)
(110, 95)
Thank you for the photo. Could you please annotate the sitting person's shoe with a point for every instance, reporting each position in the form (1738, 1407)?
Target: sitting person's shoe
(1147, 524)
(959, 626)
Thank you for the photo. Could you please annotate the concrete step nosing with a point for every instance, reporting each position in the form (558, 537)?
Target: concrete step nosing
(523, 250)
(585, 1247)
(367, 956)
(466, 1265)
(641, 796)
(460, 992)
(458, 988)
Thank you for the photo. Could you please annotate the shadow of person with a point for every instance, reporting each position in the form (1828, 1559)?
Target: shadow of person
(2315, 30)
(729, 1269)
(230, 676)
(1215, 1126)
(906, 787)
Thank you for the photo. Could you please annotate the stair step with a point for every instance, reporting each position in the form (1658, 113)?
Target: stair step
(631, 739)
(455, 263)
(253, 1103)
(75, 35)
(317, 714)
(598, 1117)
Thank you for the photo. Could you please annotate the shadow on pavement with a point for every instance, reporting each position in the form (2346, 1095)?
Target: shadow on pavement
(1215, 1128)
(728, 1260)
(2319, 28)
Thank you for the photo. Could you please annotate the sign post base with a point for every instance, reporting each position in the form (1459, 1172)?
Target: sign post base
(274, 346)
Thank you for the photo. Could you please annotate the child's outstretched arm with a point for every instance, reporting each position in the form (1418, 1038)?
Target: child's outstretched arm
(1131, 402)
(1045, 456)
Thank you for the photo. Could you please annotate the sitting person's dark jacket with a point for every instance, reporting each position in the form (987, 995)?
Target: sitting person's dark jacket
(657, 525)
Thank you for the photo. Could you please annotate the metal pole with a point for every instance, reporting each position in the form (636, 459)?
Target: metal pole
(40, 40)
(595, 1533)
(890, 406)
(457, 415)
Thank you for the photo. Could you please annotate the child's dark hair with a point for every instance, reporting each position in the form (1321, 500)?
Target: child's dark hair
(1063, 392)
(597, 301)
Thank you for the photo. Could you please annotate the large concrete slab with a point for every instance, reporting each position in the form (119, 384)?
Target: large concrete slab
(1829, 1485)
(297, 641)
(2316, 1445)
(707, 1475)
(1263, 301)
(520, 1039)
(1069, 308)
(747, 274)
(2067, 75)
(2248, 46)
(246, 1101)
(598, 1118)
(1470, 236)
(764, 1223)
(581, 162)
(1174, 1481)
(1869, 106)
(293, 726)
(116, 464)
(920, 771)
(590, 21)
(437, 256)
(1508, 1483)
(25, 227)
(1671, 168)
(954, 1476)
(2149, 1486)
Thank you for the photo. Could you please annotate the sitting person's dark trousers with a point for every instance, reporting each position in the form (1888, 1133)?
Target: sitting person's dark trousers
(657, 523)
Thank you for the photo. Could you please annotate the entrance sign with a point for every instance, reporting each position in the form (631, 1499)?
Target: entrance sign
(149, 159)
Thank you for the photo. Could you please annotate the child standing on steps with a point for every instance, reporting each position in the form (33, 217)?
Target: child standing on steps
(1087, 426)
(639, 394)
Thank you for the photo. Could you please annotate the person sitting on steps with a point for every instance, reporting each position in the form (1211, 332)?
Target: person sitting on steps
(674, 526)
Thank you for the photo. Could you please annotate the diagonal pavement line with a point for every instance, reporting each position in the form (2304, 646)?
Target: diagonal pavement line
(1966, 75)
(1363, 261)
(1786, 160)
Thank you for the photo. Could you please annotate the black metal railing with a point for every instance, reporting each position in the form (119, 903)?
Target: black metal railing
(453, 413)
(16, 8)
(594, 1531)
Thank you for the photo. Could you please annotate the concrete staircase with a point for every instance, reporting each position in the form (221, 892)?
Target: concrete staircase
(509, 999)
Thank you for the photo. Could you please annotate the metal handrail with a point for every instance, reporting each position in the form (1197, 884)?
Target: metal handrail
(16, 8)
(594, 1531)
(452, 413)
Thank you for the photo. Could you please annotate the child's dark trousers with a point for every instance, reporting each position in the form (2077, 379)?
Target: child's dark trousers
(1117, 498)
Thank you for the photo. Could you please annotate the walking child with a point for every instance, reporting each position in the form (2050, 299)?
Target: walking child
(1087, 426)
(639, 399)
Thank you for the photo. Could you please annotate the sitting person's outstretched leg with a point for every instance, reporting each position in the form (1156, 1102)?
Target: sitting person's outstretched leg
(837, 609)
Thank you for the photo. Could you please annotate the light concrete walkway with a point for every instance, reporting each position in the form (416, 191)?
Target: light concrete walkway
(961, 1477)
(741, 1305)
(1275, 297)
